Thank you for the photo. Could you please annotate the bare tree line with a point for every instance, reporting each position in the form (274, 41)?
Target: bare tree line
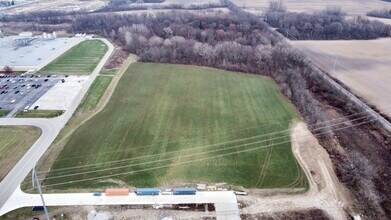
(384, 13)
(331, 24)
(129, 5)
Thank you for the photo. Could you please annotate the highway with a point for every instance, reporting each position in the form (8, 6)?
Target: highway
(225, 201)
(50, 129)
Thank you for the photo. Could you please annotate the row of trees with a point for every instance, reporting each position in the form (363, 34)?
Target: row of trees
(330, 24)
(117, 3)
(380, 13)
(128, 5)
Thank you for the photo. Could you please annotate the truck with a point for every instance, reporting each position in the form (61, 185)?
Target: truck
(184, 191)
(117, 192)
(147, 191)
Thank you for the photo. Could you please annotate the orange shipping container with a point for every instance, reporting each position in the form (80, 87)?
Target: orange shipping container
(117, 192)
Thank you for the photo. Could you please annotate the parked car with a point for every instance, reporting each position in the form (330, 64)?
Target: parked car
(97, 194)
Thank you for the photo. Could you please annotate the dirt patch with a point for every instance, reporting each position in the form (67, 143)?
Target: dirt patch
(294, 215)
(117, 59)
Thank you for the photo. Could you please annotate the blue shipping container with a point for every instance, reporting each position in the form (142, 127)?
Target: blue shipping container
(147, 191)
(184, 191)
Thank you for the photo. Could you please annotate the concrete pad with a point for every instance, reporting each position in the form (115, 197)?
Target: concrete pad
(61, 95)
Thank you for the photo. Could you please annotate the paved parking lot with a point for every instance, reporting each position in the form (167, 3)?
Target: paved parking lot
(34, 55)
(20, 92)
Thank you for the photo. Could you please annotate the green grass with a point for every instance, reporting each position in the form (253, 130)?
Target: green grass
(3, 112)
(14, 143)
(80, 59)
(27, 213)
(95, 93)
(39, 114)
(108, 72)
(159, 109)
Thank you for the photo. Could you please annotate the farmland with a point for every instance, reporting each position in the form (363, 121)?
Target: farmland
(352, 7)
(14, 142)
(175, 124)
(80, 59)
(363, 66)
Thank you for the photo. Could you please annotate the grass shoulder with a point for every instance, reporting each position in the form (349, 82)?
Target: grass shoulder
(95, 93)
(39, 113)
(108, 71)
(80, 59)
(14, 143)
(4, 112)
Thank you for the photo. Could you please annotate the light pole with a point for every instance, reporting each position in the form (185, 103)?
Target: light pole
(35, 177)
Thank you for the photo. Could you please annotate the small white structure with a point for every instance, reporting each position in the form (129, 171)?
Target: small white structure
(201, 186)
(25, 34)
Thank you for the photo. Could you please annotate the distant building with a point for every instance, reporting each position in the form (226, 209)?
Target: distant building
(25, 34)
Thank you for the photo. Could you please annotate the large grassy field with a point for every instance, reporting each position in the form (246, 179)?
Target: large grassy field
(80, 59)
(174, 125)
(14, 143)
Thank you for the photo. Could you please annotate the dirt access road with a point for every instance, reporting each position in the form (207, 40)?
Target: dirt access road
(325, 192)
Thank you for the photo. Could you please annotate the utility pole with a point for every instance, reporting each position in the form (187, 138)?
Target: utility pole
(40, 193)
(33, 178)
(335, 63)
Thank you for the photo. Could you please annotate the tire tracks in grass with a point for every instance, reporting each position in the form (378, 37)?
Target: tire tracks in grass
(261, 177)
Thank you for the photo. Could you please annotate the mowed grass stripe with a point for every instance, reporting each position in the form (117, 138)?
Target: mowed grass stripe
(95, 93)
(80, 59)
(167, 106)
(14, 143)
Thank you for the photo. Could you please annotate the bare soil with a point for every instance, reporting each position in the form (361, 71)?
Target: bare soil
(363, 66)
(352, 7)
(293, 215)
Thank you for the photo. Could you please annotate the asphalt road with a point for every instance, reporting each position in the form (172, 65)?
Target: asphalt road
(225, 201)
(50, 129)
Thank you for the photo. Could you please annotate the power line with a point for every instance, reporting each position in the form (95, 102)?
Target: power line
(205, 146)
(191, 161)
(168, 159)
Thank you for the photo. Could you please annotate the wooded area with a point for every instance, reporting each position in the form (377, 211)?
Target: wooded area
(331, 24)
(380, 13)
